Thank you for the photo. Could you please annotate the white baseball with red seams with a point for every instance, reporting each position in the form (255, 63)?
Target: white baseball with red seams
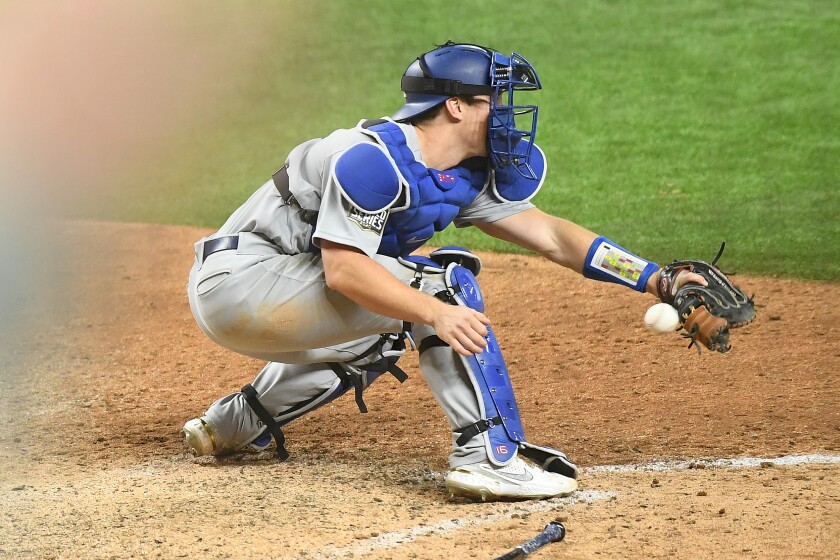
(662, 318)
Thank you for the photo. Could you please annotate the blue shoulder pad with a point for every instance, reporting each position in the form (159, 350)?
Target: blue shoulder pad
(368, 178)
(511, 186)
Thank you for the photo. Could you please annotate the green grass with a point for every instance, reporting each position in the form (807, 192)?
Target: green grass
(668, 127)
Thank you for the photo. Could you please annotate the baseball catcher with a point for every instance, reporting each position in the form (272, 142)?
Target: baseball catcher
(316, 273)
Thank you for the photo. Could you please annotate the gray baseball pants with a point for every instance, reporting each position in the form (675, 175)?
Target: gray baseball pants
(259, 302)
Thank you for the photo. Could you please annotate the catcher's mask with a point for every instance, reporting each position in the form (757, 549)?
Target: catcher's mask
(466, 69)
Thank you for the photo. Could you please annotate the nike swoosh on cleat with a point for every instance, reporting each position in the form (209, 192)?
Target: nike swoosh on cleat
(524, 477)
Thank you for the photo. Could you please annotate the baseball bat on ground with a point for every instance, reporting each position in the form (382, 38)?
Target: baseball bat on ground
(553, 532)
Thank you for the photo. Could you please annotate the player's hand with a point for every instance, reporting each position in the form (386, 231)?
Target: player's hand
(462, 328)
(683, 277)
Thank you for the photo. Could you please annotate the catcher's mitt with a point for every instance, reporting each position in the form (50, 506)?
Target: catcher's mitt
(706, 312)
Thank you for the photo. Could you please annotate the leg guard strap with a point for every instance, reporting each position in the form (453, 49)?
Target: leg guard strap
(388, 365)
(549, 459)
(469, 432)
(267, 419)
(350, 380)
(355, 376)
(431, 342)
(352, 376)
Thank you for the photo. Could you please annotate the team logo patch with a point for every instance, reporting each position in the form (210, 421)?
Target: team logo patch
(368, 222)
(446, 178)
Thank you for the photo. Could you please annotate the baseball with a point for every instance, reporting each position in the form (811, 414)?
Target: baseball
(662, 318)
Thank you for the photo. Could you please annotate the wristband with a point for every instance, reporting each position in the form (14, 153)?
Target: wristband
(609, 262)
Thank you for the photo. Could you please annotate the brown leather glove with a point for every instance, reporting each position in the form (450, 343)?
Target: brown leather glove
(706, 312)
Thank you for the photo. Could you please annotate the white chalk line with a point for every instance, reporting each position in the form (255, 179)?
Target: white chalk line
(733, 463)
(394, 539)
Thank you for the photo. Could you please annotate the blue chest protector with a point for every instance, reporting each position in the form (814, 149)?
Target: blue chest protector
(432, 198)
(419, 200)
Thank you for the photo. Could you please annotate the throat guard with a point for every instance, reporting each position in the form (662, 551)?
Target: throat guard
(509, 185)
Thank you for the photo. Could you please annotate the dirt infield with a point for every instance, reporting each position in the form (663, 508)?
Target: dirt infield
(94, 394)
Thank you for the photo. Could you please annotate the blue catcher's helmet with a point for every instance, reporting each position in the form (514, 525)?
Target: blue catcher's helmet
(465, 69)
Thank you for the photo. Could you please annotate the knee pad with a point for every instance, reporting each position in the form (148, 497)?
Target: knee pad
(438, 261)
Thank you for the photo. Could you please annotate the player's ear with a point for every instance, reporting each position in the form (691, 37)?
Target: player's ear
(454, 108)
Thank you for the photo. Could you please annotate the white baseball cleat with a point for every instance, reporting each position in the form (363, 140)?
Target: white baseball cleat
(520, 479)
(202, 440)
(198, 437)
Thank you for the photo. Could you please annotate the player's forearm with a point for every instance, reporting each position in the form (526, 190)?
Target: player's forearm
(373, 287)
(557, 239)
(652, 283)
(568, 243)
(571, 244)
(577, 248)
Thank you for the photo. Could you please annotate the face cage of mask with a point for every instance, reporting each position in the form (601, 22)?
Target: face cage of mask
(504, 138)
(503, 135)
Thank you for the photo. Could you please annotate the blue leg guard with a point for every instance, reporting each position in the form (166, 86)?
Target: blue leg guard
(500, 420)
(499, 414)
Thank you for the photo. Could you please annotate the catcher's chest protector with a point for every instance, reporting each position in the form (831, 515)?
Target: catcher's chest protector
(432, 198)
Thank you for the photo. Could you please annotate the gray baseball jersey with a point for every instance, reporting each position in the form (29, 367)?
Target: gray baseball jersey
(268, 298)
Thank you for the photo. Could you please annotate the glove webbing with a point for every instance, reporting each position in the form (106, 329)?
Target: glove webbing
(267, 419)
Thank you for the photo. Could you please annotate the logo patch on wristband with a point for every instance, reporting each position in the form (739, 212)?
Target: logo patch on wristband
(618, 263)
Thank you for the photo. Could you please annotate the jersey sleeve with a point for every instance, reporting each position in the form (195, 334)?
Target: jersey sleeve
(487, 208)
(340, 221)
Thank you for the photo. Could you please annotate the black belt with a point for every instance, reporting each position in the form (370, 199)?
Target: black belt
(281, 183)
(220, 244)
